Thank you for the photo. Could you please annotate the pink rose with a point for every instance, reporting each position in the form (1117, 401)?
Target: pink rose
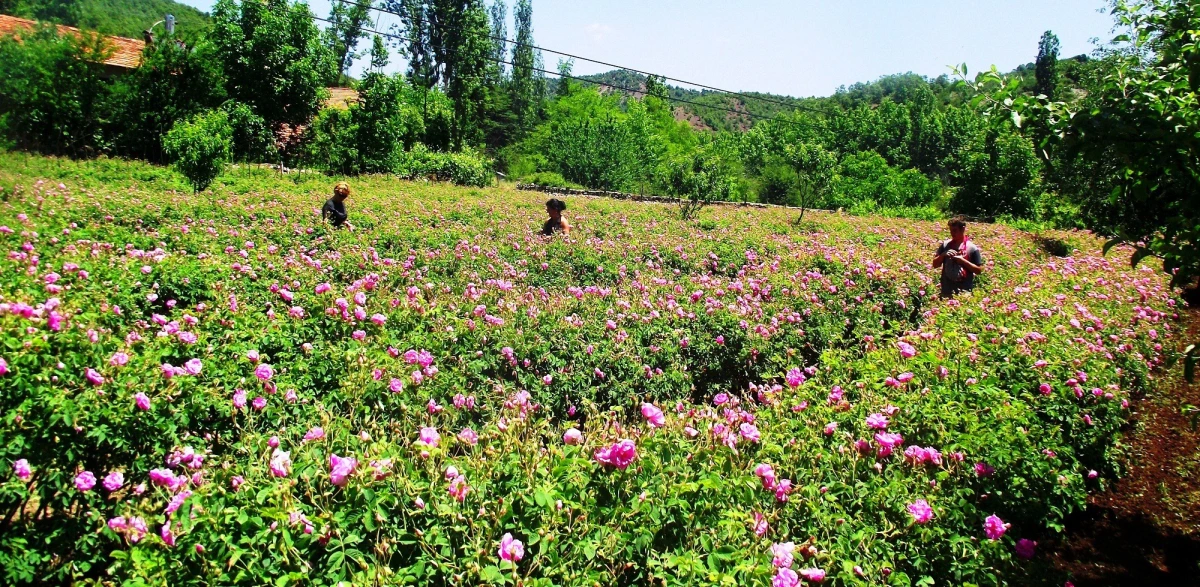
(511, 549)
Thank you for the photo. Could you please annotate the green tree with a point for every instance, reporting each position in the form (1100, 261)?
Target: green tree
(343, 34)
(699, 178)
(273, 58)
(1047, 65)
(525, 95)
(200, 147)
(251, 136)
(175, 81)
(498, 14)
(416, 49)
(814, 167)
(379, 54)
(54, 93)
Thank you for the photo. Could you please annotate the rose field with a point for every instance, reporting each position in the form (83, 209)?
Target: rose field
(219, 389)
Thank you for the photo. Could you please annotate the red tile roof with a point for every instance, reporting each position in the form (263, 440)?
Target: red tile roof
(127, 53)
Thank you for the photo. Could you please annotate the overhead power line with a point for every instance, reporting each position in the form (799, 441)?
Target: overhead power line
(588, 81)
(606, 64)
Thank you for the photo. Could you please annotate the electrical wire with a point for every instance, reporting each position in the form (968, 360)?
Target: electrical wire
(606, 64)
(585, 80)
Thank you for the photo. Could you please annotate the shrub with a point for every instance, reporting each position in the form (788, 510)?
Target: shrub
(177, 79)
(867, 177)
(53, 93)
(466, 168)
(765, 356)
(201, 147)
(550, 179)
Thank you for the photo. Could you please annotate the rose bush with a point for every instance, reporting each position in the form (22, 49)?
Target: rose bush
(218, 389)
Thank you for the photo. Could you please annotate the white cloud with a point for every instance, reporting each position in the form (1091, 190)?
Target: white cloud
(597, 31)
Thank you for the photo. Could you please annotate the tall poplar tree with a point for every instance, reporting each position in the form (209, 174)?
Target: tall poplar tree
(1046, 68)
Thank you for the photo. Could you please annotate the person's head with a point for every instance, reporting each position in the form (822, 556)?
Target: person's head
(555, 207)
(341, 191)
(958, 227)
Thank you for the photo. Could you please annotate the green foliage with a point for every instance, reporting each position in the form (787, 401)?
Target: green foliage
(201, 147)
(1047, 66)
(996, 174)
(343, 35)
(467, 168)
(177, 79)
(866, 177)
(370, 136)
(251, 135)
(550, 179)
(123, 18)
(53, 93)
(699, 178)
(273, 58)
(498, 311)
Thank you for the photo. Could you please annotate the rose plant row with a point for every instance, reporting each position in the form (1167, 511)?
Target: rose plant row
(217, 389)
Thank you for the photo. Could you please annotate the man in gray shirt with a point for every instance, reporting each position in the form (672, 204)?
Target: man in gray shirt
(959, 259)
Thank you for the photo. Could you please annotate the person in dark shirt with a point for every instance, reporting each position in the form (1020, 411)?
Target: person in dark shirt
(335, 208)
(555, 207)
(959, 259)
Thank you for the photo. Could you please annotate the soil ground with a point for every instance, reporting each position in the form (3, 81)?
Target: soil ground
(1145, 530)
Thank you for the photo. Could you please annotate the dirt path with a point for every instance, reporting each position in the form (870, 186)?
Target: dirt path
(1145, 530)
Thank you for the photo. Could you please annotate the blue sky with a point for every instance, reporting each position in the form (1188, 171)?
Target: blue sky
(799, 47)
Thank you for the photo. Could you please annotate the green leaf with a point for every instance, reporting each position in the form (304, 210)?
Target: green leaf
(1138, 255)
(491, 574)
(1111, 243)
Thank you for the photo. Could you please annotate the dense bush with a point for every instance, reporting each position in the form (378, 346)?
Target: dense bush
(867, 177)
(201, 147)
(273, 58)
(550, 179)
(466, 168)
(177, 79)
(53, 95)
(219, 390)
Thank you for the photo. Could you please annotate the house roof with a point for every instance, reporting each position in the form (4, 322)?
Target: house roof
(127, 53)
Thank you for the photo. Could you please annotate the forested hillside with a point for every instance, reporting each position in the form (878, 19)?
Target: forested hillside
(123, 18)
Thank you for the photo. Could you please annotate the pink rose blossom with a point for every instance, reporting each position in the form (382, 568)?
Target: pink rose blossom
(468, 436)
(813, 575)
(654, 416)
(85, 481)
(781, 554)
(264, 372)
(785, 577)
(281, 463)
(920, 511)
(618, 455)
(341, 468)
(1026, 548)
(994, 527)
(22, 470)
(114, 480)
(429, 437)
(573, 437)
(511, 549)
(142, 401)
(94, 377)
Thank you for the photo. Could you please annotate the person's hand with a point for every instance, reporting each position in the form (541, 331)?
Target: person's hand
(952, 253)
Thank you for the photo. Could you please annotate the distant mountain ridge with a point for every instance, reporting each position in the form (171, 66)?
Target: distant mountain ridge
(122, 18)
(711, 108)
